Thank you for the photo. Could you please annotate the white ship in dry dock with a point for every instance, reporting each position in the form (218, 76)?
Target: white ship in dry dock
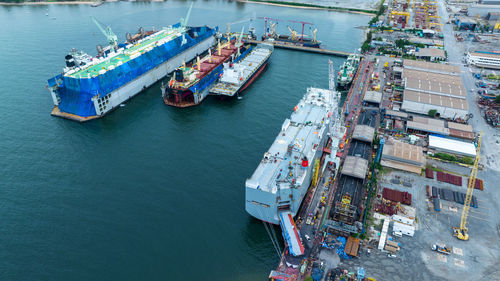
(238, 76)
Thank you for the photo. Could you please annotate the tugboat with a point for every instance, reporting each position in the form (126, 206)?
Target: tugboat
(348, 70)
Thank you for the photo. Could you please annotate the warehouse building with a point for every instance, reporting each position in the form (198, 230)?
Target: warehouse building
(484, 59)
(440, 144)
(482, 10)
(402, 156)
(373, 97)
(431, 54)
(432, 86)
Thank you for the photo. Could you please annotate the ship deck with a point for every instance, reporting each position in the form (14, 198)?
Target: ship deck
(126, 55)
(207, 64)
(302, 132)
(250, 64)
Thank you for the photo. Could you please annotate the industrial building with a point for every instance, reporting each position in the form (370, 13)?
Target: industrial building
(431, 54)
(432, 86)
(403, 156)
(374, 97)
(424, 125)
(441, 144)
(482, 10)
(484, 59)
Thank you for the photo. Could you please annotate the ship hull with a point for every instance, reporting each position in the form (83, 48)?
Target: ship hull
(255, 76)
(103, 105)
(264, 205)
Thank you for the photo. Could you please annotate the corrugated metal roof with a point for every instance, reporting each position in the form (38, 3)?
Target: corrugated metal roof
(452, 146)
(355, 167)
(363, 133)
(373, 96)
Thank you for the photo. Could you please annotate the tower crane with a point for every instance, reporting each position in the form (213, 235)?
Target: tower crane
(112, 38)
(461, 232)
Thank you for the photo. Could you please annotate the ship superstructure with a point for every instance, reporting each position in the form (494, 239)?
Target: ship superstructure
(284, 175)
(236, 77)
(348, 70)
(90, 87)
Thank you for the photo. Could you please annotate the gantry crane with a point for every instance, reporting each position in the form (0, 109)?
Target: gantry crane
(461, 232)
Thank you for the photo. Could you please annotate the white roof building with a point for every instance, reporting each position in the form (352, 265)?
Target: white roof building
(452, 146)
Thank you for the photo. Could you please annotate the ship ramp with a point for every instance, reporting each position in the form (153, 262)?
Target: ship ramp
(291, 233)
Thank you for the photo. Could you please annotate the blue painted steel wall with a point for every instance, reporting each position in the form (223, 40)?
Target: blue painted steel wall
(76, 93)
(214, 75)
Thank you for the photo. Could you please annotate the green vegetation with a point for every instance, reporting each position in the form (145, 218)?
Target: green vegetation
(410, 57)
(467, 160)
(445, 156)
(314, 6)
(497, 98)
(366, 45)
(309, 278)
(432, 112)
(362, 236)
(380, 11)
(355, 235)
(400, 43)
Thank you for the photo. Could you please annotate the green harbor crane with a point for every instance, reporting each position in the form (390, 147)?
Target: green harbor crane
(112, 38)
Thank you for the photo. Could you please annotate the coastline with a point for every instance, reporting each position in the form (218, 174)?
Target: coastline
(305, 6)
(48, 3)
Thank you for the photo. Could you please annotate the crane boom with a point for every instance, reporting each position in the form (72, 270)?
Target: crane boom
(252, 18)
(112, 38)
(461, 232)
(185, 20)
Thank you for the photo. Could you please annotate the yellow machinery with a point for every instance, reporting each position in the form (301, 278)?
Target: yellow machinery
(315, 173)
(401, 14)
(461, 232)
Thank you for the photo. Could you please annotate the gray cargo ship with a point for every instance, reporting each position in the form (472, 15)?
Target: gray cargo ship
(275, 191)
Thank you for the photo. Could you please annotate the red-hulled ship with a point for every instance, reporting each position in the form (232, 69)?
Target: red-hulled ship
(190, 84)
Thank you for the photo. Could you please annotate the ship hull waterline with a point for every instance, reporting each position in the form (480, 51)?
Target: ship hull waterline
(137, 86)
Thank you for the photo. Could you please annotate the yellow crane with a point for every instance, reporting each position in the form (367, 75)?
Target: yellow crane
(315, 173)
(461, 232)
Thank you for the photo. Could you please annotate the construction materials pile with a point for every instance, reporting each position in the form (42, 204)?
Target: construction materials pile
(452, 196)
(397, 196)
(449, 178)
(491, 111)
(429, 173)
(384, 209)
(478, 184)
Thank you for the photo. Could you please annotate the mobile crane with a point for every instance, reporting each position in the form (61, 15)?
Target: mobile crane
(461, 232)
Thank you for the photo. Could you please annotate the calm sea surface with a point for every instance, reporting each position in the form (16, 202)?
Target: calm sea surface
(149, 192)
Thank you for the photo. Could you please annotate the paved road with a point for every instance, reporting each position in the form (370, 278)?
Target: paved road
(491, 146)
